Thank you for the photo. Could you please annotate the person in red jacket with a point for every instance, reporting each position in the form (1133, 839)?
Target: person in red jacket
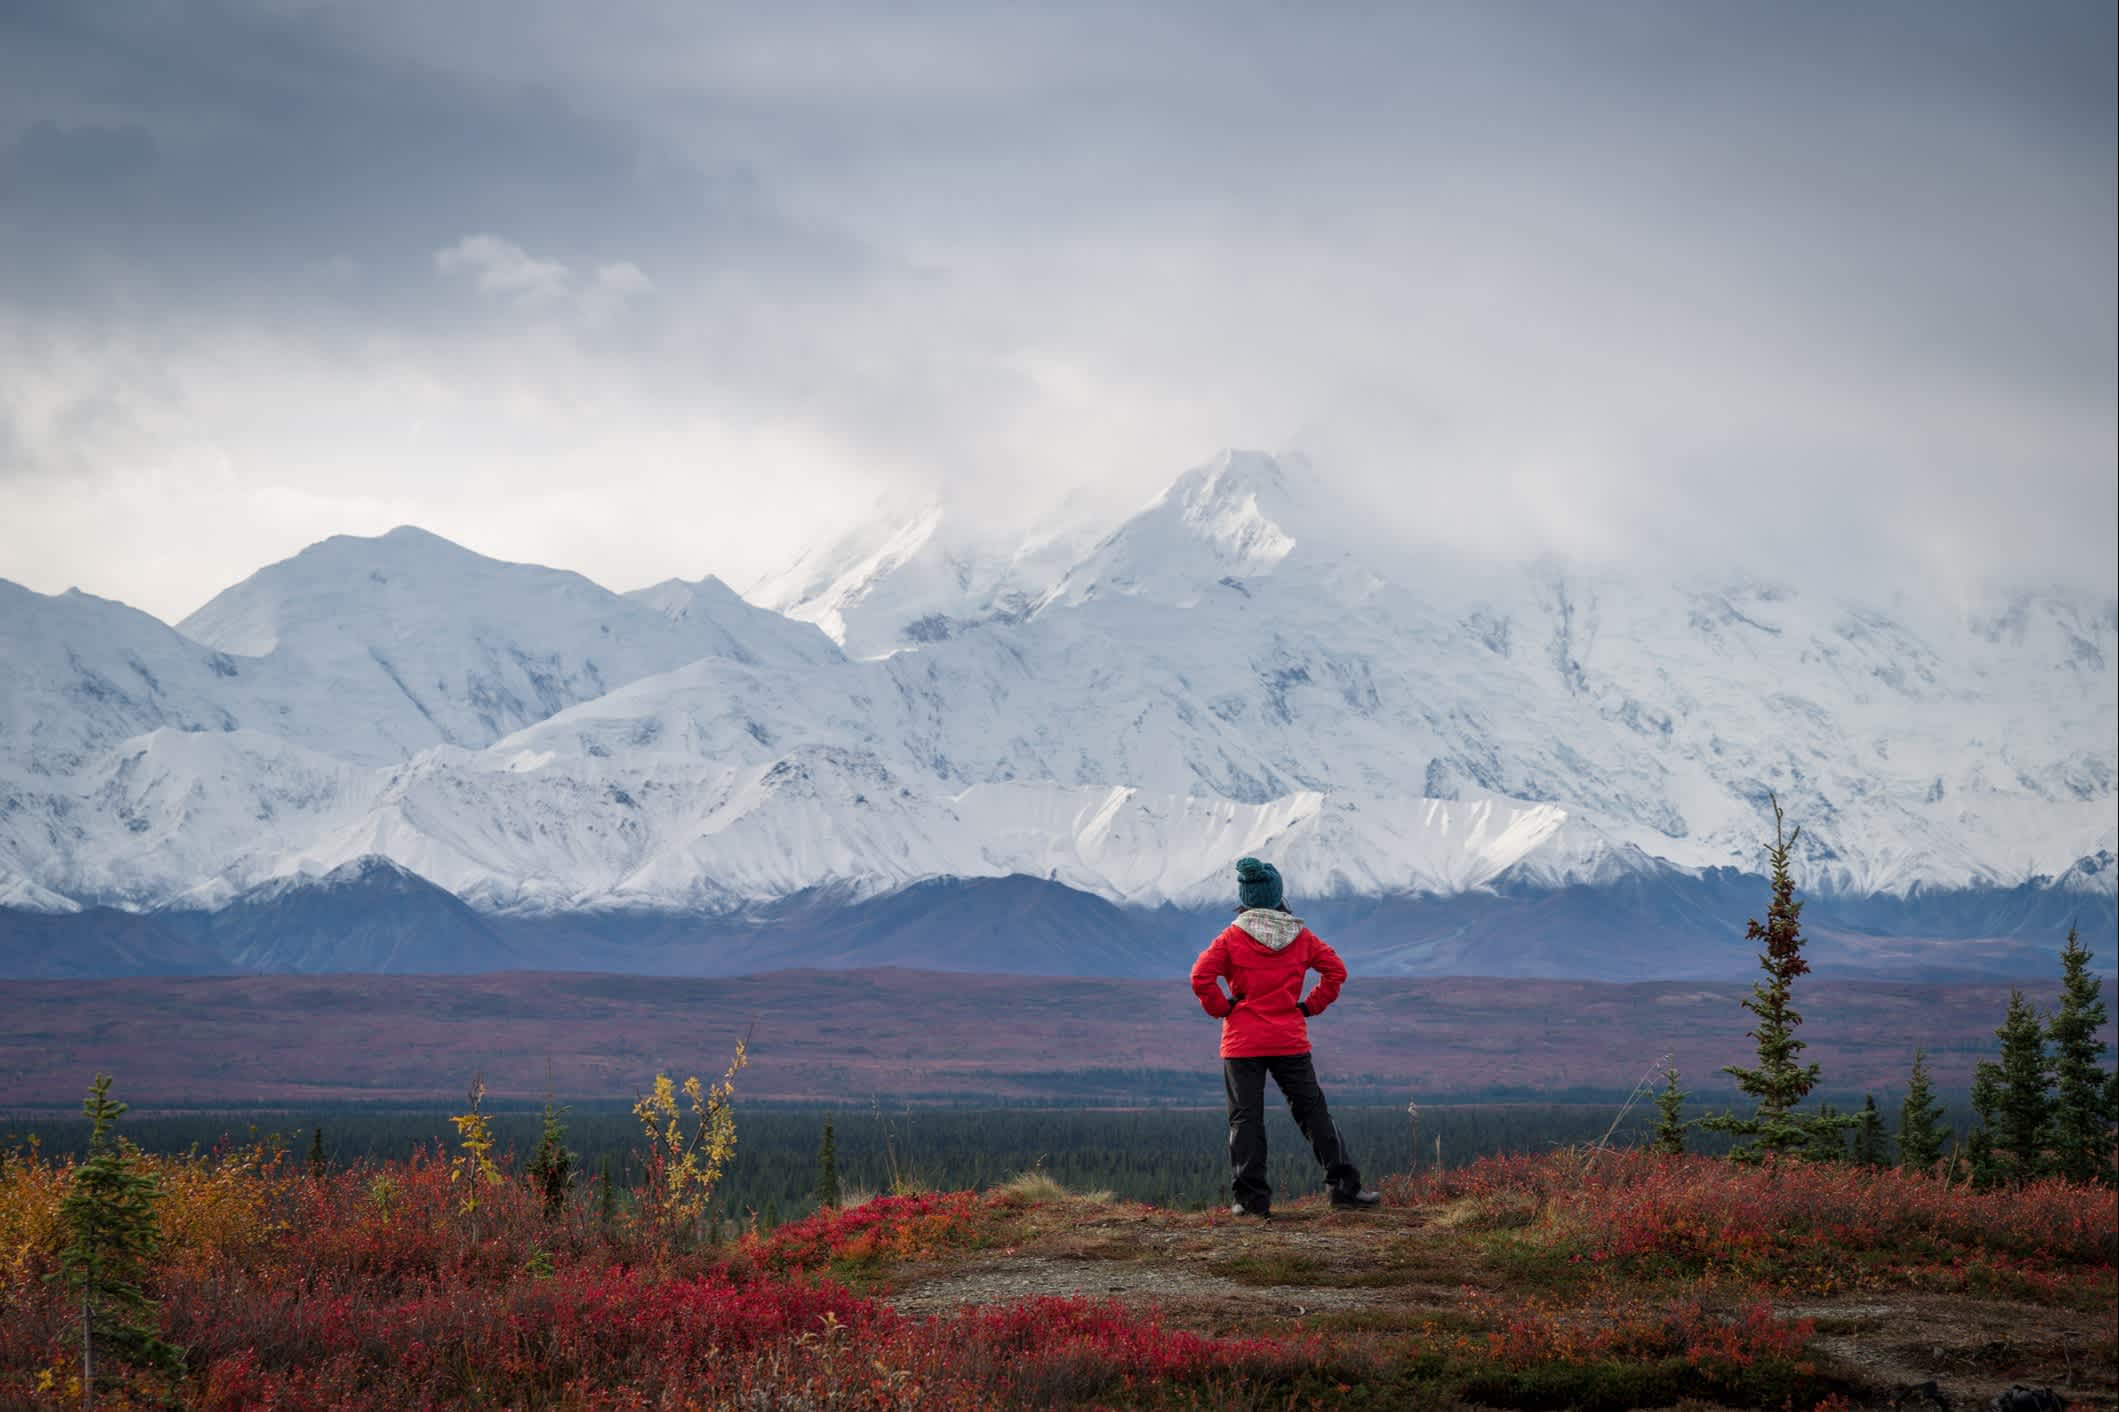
(1265, 955)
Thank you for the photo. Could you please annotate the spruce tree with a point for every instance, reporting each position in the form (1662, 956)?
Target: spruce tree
(1869, 1134)
(606, 1194)
(1827, 1142)
(2082, 1116)
(1979, 1163)
(112, 1239)
(1920, 1130)
(318, 1163)
(2011, 1098)
(1670, 1116)
(552, 1165)
(1779, 1082)
(828, 1170)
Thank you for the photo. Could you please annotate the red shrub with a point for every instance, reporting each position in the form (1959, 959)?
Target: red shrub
(889, 1228)
(1814, 1226)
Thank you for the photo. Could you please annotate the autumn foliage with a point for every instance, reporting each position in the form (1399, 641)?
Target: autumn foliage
(1798, 1227)
(1630, 1276)
(364, 1288)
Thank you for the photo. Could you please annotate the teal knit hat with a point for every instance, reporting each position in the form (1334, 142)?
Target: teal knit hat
(1257, 884)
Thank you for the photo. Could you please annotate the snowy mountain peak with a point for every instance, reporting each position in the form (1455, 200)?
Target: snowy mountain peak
(78, 674)
(901, 583)
(407, 640)
(910, 577)
(1235, 473)
(1237, 516)
(678, 599)
(728, 625)
(839, 578)
(355, 587)
(1242, 504)
(366, 871)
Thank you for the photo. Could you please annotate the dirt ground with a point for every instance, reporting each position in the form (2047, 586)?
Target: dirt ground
(1393, 1272)
(1203, 1272)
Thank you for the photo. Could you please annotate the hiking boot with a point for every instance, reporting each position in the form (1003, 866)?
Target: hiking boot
(1263, 1213)
(1359, 1199)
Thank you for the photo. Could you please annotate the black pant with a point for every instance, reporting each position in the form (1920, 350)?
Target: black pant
(1245, 1080)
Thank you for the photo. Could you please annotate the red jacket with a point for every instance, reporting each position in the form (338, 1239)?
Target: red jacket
(1258, 1014)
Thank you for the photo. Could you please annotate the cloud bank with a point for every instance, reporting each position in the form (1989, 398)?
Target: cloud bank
(680, 288)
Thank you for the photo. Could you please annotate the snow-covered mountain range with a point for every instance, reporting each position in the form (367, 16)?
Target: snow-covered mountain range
(1239, 667)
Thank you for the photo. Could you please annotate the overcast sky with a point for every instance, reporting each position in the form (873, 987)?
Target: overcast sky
(653, 290)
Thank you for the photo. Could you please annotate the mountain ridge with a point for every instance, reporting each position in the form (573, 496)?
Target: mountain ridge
(1231, 669)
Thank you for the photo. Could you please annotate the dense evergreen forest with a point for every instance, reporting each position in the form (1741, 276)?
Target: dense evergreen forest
(1171, 1157)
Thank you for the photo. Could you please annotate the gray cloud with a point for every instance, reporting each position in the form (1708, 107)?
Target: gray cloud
(229, 153)
(654, 294)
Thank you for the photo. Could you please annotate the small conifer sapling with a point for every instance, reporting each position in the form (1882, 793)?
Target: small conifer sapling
(606, 1194)
(552, 1165)
(2083, 1111)
(1670, 1116)
(1869, 1137)
(1827, 1141)
(1979, 1166)
(112, 1239)
(828, 1170)
(1920, 1132)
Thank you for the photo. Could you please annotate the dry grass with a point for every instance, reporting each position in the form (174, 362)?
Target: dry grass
(1037, 1186)
(1491, 1211)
